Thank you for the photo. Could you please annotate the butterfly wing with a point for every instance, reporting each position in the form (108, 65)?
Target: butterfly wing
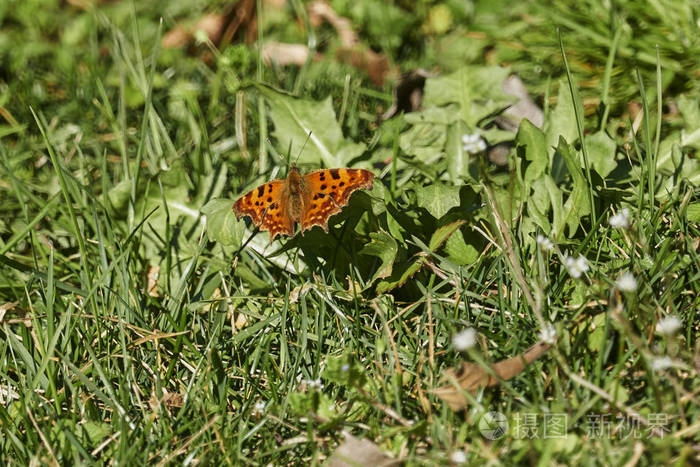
(266, 208)
(328, 191)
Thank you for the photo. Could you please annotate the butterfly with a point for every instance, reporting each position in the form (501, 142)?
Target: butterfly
(308, 199)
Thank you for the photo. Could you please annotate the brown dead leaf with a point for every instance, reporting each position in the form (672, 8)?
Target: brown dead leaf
(5, 307)
(320, 11)
(285, 54)
(220, 28)
(524, 108)
(351, 50)
(173, 399)
(354, 452)
(168, 401)
(152, 281)
(375, 64)
(471, 376)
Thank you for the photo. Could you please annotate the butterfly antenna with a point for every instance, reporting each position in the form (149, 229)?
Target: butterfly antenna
(308, 137)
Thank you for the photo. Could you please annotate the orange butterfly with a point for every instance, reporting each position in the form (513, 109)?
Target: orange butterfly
(309, 199)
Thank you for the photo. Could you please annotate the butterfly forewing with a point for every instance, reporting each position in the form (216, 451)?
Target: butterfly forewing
(265, 207)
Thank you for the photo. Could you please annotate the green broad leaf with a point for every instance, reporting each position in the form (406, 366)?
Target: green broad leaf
(577, 204)
(299, 120)
(222, 225)
(405, 275)
(691, 138)
(440, 115)
(601, 153)
(426, 141)
(562, 120)
(596, 337)
(495, 135)
(95, 431)
(684, 169)
(457, 157)
(693, 212)
(539, 204)
(441, 234)
(344, 370)
(617, 390)
(253, 280)
(477, 90)
(438, 198)
(459, 251)
(383, 246)
(118, 196)
(530, 142)
(395, 228)
(689, 108)
(665, 158)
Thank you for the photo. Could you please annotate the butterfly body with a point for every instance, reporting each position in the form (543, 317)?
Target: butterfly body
(306, 199)
(293, 193)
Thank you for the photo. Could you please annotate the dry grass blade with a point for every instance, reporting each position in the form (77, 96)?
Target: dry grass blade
(471, 376)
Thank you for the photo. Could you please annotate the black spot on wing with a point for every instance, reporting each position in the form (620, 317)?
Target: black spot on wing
(261, 190)
(334, 174)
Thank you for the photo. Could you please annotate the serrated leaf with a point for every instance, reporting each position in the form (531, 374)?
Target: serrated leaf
(437, 198)
(477, 90)
(222, 225)
(562, 120)
(532, 141)
(441, 234)
(406, 274)
(601, 153)
(459, 251)
(693, 212)
(577, 204)
(423, 140)
(297, 120)
(383, 246)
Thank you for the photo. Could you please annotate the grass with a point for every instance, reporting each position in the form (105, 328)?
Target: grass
(141, 322)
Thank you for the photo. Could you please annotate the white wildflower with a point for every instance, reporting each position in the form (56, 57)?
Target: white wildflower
(626, 282)
(458, 457)
(545, 243)
(315, 384)
(621, 220)
(548, 334)
(661, 363)
(473, 143)
(345, 368)
(668, 325)
(465, 339)
(258, 408)
(576, 266)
